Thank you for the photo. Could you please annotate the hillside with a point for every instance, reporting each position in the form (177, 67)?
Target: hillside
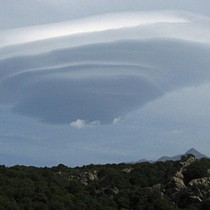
(170, 185)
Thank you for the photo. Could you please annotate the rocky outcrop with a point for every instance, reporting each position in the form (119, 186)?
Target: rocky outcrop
(200, 183)
(196, 191)
(200, 188)
(176, 182)
(86, 177)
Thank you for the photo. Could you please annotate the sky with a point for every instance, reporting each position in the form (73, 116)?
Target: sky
(95, 81)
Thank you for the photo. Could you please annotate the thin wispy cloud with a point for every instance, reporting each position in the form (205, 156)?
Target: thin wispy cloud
(87, 25)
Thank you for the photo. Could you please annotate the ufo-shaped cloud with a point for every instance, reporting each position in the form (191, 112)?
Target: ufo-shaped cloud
(100, 68)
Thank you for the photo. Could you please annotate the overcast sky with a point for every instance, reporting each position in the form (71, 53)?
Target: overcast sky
(103, 81)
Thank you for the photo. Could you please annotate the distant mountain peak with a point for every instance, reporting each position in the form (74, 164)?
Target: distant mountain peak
(196, 153)
(192, 151)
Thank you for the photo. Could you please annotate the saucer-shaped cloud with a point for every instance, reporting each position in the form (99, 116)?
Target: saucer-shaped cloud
(65, 95)
(96, 81)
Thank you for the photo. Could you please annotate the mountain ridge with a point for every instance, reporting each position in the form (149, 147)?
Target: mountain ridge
(192, 151)
(198, 155)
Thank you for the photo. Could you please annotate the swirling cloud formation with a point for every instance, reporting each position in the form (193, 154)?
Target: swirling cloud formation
(106, 77)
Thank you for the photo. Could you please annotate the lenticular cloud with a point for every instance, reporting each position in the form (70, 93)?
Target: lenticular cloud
(87, 25)
(90, 71)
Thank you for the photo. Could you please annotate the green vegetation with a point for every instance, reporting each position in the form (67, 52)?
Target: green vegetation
(95, 187)
(197, 169)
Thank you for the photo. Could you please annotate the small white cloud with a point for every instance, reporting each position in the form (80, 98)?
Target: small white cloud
(79, 123)
(116, 120)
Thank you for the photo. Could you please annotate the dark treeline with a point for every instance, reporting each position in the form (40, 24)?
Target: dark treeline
(97, 187)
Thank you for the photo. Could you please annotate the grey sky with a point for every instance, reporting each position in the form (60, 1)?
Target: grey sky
(84, 89)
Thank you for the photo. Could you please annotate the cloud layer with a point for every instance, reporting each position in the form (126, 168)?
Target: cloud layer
(87, 25)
